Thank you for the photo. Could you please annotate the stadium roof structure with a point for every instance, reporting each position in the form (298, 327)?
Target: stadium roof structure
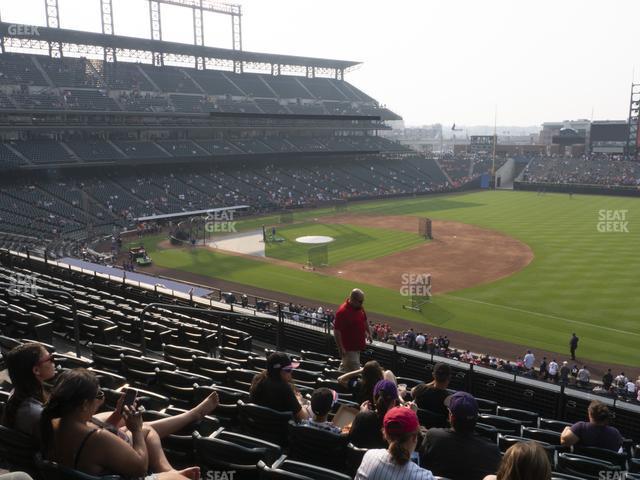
(84, 43)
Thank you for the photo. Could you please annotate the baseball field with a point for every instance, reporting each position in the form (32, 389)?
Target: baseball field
(518, 267)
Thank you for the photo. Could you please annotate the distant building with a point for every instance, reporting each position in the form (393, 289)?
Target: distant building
(551, 129)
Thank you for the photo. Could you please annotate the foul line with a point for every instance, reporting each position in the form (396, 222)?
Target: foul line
(541, 314)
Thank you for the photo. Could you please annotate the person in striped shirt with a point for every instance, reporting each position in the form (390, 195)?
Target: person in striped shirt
(400, 429)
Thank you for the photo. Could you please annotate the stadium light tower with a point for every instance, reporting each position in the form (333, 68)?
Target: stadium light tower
(633, 141)
(198, 7)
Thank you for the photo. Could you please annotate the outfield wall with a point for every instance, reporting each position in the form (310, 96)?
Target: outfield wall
(578, 188)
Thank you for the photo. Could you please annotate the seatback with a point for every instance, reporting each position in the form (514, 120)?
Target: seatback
(263, 422)
(319, 447)
(429, 419)
(616, 458)
(584, 467)
(221, 455)
(528, 419)
(17, 449)
(505, 425)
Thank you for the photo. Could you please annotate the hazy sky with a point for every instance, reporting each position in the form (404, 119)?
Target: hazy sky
(430, 61)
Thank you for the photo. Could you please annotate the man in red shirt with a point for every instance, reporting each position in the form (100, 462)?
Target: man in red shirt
(351, 330)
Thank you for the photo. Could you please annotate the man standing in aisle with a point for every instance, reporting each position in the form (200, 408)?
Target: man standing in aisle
(351, 330)
(573, 345)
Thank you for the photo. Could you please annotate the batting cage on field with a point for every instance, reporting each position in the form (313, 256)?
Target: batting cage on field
(286, 217)
(417, 287)
(340, 206)
(425, 228)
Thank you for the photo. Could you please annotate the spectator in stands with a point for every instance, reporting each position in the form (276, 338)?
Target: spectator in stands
(29, 365)
(584, 377)
(524, 461)
(552, 370)
(351, 330)
(621, 383)
(366, 429)
(421, 339)
(630, 390)
(529, 360)
(322, 400)
(607, 380)
(401, 430)
(361, 382)
(596, 432)
(272, 387)
(543, 368)
(458, 453)
(431, 396)
(564, 373)
(71, 439)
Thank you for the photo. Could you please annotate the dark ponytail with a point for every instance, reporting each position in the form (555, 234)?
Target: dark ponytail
(20, 363)
(71, 391)
(399, 454)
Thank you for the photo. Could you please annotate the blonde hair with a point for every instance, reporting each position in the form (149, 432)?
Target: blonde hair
(525, 461)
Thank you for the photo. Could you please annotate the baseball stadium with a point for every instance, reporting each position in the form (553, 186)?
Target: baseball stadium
(171, 214)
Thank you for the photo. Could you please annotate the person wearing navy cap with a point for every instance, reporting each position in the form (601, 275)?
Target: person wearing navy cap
(458, 453)
(273, 388)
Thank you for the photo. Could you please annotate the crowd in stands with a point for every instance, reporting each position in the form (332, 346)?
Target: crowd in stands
(50, 209)
(586, 170)
(72, 428)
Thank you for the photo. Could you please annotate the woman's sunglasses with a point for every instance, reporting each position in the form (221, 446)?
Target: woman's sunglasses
(48, 358)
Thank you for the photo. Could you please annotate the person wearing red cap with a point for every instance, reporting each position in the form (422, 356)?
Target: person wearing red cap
(351, 330)
(400, 429)
(458, 453)
(272, 387)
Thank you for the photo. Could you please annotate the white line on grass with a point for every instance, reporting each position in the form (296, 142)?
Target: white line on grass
(541, 314)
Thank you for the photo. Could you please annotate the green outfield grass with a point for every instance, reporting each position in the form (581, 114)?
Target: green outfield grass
(580, 280)
(350, 242)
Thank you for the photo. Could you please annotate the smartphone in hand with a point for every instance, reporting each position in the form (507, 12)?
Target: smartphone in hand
(129, 397)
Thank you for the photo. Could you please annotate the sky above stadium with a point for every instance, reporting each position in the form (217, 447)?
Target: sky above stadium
(430, 61)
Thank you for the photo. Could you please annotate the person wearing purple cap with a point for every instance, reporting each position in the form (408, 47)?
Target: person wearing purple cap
(458, 453)
(366, 429)
(272, 387)
(400, 429)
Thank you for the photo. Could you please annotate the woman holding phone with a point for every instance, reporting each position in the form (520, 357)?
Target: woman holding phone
(70, 436)
(30, 365)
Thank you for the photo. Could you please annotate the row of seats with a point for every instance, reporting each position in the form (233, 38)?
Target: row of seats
(17, 153)
(87, 80)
